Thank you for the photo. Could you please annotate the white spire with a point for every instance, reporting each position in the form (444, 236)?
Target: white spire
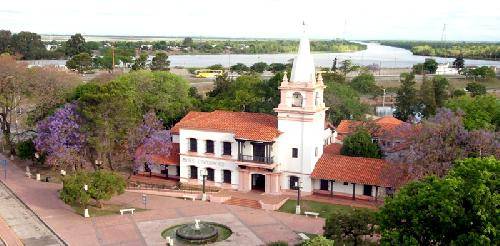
(303, 69)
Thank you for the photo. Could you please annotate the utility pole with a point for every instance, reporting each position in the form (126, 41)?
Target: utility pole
(113, 55)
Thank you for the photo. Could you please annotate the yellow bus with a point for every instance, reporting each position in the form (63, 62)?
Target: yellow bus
(208, 73)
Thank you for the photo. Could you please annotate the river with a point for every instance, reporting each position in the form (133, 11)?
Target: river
(384, 56)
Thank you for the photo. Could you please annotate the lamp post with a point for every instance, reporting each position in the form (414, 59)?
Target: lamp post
(203, 173)
(298, 185)
(86, 212)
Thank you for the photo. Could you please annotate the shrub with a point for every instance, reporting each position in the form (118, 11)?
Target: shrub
(350, 226)
(476, 89)
(25, 149)
(102, 185)
(318, 241)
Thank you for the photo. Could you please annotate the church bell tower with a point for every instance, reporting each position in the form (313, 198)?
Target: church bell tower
(301, 118)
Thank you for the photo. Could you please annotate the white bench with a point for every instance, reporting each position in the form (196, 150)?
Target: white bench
(311, 214)
(303, 236)
(189, 197)
(131, 210)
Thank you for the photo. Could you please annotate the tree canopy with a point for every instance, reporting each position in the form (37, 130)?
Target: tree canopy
(458, 209)
(360, 144)
(480, 112)
(407, 103)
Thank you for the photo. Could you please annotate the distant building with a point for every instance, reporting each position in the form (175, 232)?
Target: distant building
(446, 69)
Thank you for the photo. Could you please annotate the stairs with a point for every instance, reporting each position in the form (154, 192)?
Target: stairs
(243, 202)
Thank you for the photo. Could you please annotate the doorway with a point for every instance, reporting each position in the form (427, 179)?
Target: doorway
(367, 190)
(259, 152)
(258, 182)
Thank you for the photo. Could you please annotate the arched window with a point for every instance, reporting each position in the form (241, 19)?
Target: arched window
(297, 99)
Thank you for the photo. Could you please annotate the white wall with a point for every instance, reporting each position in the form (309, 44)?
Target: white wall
(347, 189)
(202, 136)
(203, 163)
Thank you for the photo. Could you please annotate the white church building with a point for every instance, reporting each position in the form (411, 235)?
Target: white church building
(273, 153)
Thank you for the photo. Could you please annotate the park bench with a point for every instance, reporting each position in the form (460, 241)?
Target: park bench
(131, 210)
(189, 197)
(303, 236)
(307, 213)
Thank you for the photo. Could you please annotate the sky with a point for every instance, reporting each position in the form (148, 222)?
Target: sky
(477, 20)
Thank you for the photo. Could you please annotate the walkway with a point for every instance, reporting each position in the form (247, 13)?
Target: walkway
(23, 222)
(263, 226)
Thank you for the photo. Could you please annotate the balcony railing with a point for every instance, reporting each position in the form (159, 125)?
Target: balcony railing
(256, 159)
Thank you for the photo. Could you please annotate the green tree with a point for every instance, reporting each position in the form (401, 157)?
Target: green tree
(5, 41)
(343, 103)
(459, 62)
(216, 67)
(349, 227)
(259, 67)
(160, 62)
(277, 67)
(27, 44)
(364, 83)
(239, 68)
(406, 100)
(481, 112)
(76, 45)
(105, 62)
(188, 42)
(441, 86)
(475, 89)
(25, 149)
(430, 65)
(428, 98)
(360, 144)
(104, 185)
(140, 62)
(347, 66)
(81, 62)
(459, 209)
(73, 191)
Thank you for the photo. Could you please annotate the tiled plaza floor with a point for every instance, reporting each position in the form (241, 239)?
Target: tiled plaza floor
(42, 198)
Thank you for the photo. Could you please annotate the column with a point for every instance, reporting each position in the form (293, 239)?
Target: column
(353, 191)
(244, 180)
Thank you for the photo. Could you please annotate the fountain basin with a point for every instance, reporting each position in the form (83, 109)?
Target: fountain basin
(204, 234)
(185, 234)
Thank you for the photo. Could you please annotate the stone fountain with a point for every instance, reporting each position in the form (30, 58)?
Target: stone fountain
(197, 232)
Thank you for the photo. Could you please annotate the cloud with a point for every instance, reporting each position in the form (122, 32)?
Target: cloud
(355, 19)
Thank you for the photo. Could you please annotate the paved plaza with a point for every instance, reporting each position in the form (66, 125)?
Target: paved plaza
(250, 226)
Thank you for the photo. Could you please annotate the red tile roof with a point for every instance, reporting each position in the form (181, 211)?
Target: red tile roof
(359, 170)
(386, 123)
(250, 126)
(172, 159)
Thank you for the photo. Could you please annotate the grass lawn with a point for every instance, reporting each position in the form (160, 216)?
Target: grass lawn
(107, 209)
(324, 209)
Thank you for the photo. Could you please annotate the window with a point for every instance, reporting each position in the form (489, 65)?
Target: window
(226, 176)
(297, 99)
(295, 152)
(346, 183)
(193, 145)
(194, 172)
(323, 184)
(294, 181)
(210, 146)
(226, 148)
(210, 174)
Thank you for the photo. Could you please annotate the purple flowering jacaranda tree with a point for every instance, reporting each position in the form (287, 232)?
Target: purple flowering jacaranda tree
(61, 138)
